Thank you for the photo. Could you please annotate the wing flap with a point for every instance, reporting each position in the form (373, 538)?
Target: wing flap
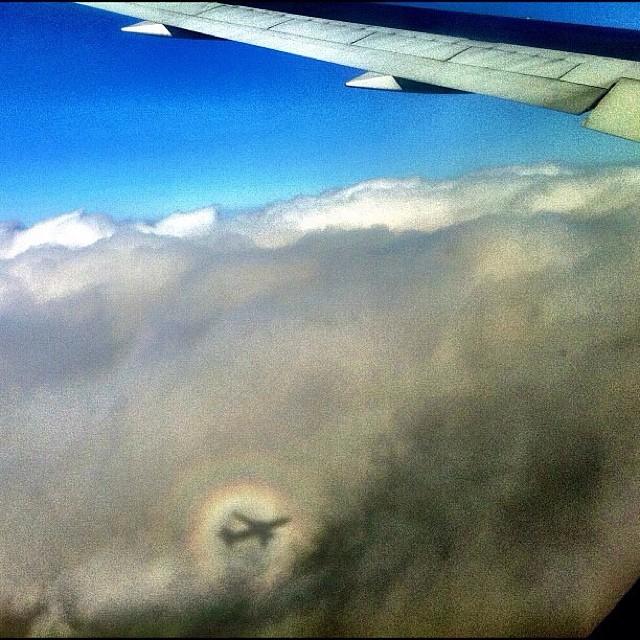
(339, 33)
(247, 17)
(419, 47)
(517, 62)
(188, 8)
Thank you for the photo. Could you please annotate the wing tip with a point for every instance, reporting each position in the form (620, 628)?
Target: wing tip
(618, 112)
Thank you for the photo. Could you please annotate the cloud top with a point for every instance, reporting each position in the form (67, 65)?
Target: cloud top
(182, 225)
(71, 230)
(397, 204)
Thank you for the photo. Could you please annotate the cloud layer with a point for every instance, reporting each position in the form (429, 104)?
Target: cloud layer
(437, 382)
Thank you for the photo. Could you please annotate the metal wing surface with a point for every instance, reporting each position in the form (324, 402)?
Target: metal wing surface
(403, 59)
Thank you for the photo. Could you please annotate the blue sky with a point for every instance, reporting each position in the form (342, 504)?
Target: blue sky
(133, 126)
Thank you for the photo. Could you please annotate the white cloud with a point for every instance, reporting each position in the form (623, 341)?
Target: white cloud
(437, 382)
(182, 225)
(72, 230)
(398, 204)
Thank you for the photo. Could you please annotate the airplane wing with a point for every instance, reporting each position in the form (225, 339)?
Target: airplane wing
(244, 519)
(279, 522)
(403, 59)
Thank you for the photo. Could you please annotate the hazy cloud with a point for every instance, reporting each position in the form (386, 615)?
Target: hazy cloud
(437, 382)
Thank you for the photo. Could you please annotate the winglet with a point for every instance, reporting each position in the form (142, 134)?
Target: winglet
(618, 113)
